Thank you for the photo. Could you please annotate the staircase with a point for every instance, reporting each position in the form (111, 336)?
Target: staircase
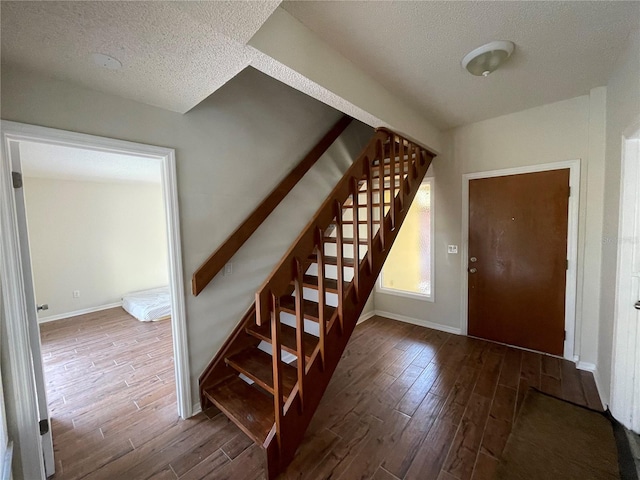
(271, 373)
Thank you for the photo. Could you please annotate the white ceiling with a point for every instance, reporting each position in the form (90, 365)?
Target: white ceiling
(563, 49)
(41, 160)
(174, 54)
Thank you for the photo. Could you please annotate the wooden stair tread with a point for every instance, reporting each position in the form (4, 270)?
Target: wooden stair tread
(287, 338)
(374, 204)
(360, 222)
(258, 366)
(245, 405)
(363, 241)
(331, 260)
(311, 310)
(330, 284)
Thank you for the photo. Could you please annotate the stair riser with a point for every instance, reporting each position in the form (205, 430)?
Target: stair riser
(348, 250)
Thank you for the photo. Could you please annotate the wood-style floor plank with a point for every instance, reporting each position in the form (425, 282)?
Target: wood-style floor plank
(405, 403)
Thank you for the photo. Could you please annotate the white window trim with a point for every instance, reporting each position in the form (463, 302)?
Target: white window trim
(419, 296)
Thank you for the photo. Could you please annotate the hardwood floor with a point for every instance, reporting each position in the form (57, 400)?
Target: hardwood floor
(406, 402)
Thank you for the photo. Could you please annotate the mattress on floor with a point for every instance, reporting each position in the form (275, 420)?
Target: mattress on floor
(148, 305)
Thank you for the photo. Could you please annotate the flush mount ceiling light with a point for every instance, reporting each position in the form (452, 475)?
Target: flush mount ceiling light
(106, 61)
(487, 58)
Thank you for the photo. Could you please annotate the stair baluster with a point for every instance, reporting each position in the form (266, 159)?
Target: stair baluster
(297, 391)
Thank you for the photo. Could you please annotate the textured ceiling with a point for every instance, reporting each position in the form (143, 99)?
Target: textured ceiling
(174, 54)
(41, 160)
(563, 49)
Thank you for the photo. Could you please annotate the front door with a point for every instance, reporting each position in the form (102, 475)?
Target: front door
(518, 259)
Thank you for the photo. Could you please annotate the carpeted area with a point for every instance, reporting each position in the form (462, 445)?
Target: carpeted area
(555, 439)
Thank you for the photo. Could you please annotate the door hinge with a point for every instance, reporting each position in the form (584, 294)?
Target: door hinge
(565, 335)
(17, 179)
(569, 191)
(44, 426)
(567, 267)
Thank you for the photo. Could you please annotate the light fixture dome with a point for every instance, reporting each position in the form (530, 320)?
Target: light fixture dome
(486, 59)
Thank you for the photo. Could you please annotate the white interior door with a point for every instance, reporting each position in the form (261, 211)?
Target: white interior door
(625, 388)
(34, 330)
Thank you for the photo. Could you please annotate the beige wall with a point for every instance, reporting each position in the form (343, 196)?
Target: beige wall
(231, 150)
(623, 110)
(567, 130)
(103, 239)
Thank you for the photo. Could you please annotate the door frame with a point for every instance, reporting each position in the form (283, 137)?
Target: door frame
(572, 242)
(12, 280)
(625, 354)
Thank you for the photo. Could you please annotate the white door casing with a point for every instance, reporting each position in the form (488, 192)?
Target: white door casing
(572, 242)
(12, 280)
(32, 316)
(625, 374)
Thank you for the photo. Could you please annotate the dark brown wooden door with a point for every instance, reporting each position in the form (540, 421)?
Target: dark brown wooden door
(518, 259)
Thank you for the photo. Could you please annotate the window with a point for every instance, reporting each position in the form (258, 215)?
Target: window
(408, 270)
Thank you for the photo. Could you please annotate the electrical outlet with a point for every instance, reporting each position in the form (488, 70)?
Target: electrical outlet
(452, 248)
(228, 269)
(76, 294)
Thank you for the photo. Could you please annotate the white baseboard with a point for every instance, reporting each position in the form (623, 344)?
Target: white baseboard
(196, 409)
(591, 367)
(366, 316)
(604, 399)
(421, 323)
(61, 316)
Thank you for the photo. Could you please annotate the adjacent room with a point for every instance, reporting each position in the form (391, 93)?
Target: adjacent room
(98, 246)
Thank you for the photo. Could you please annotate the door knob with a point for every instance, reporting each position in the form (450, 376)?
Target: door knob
(473, 270)
(637, 305)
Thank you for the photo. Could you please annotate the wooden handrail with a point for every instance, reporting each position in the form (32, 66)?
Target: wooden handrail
(372, 199)
(216, 262)
(359, 179)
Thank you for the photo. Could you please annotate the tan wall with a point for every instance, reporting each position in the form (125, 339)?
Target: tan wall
(103, 239)
(231, 150)
(623, 110)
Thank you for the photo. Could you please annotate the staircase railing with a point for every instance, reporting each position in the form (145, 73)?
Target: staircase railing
(390, 168)
(212, 265)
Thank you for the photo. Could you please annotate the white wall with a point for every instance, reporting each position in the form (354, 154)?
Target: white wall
(623, 110)
(231, 150)
(104, 239)
(320, 71)
(566, 130)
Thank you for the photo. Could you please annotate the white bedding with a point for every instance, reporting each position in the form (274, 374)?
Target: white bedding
(148, 305)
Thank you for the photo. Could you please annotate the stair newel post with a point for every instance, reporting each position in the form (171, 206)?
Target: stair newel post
(369, 214)
(392, 181)
(297, 264)
(356, 235)
(321, 293)
(276, 346)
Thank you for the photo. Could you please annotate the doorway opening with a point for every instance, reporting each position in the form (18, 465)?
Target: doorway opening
(20, 297)
(469, 268)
